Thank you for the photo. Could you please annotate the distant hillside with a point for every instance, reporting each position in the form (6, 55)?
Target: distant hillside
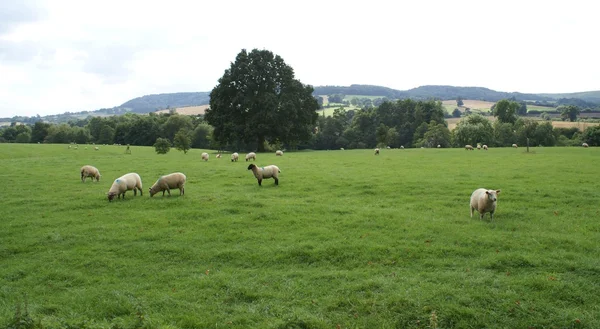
(151, 103)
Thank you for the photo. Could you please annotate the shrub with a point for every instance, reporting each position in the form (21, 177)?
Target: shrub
(162, 145)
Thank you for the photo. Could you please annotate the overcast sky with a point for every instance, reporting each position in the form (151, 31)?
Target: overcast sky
(73, 55)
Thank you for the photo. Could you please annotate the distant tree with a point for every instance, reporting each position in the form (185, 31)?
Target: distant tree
(592, 136)
(336, 98)
(182, 140)
(201, 136)
(436, 134)
(9, 134)
(473, 129)
(39, 132)
(544, 135)
(545, 116)
(522, 110)
(459, 101)
(505, 110)
(23, 137)
(504, 134)
(320, 101)
(258, 99)
(569, 112)
(175, 123)
(456, 113)
(162, 145)
(107, 135)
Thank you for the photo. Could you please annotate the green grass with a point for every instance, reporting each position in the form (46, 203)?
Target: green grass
(540, 108)
(347, 238)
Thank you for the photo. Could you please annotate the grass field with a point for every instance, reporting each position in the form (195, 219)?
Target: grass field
(347, 240)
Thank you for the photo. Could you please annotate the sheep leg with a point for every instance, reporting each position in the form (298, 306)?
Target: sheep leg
(472, 211)
(259, 182)
(181, 190)
(276, 181)
(491, 215)
(481, 215)
(169, 191)
(134, 191)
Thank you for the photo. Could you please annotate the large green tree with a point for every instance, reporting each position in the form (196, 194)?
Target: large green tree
(569, 112)
(257, 99)
(506, 110)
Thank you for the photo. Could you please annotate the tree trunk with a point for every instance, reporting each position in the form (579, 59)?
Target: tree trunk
(261, 144)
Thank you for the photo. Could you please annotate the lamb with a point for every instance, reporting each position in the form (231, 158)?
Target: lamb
(234, 157)
(90, 171)
(485, 147)
(483, 201)
(168, 182)
(205, 156)
(265, 172)
(377, 151)
(131, 181)
(469, 147)
(585, 145)
(279, 153)
(251, 155)
(515, 145)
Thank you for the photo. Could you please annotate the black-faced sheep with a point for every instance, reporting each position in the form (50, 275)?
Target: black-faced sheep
(90, 171)
(234, 157)
(168, 182)
(484, 200)
(260, 173)
(377, 151)
(485, 147)
(251, 155)
(204, 156)
(131, 181)
(585, 145)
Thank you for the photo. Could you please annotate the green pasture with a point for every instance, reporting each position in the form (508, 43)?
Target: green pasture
(347, 240)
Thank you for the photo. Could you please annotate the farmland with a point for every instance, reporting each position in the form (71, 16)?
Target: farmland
(347, 240)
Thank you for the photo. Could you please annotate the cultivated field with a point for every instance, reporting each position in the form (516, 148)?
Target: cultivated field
(347, 240)
(452, 122)
(188, 110)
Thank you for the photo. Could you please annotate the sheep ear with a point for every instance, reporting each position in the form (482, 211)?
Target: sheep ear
(487, 192)
(497, 191)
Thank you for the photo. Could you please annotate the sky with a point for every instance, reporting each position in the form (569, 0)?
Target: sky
(73, 55)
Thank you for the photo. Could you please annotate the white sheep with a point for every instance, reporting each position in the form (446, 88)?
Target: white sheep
(251, 155)
(271, 171)
(585, 145)
(219, 156)
(515, 145)
(341, 148)
(96, 148)
(131, 181)
(479, 147)
(484, 200)
(279, 153)
(234, 156)
(204, 156)
(485, 147)
(439, 146)
(90, 171)
(168, 182)
(469, 147)
(377, 151)
(401, 146)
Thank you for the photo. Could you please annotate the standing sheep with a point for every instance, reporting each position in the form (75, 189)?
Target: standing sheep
(219, 156)
(265, 172)
(515, 145)
(234, 157)
(204, 156)
(483, 201)
(377, 151)
(96, 148)
(251, 155)
(131, 181)
(468, 147)
(168, 182)
(279, 153)
(90, 171)
(479, 147)
(585, 145)
(485, 147)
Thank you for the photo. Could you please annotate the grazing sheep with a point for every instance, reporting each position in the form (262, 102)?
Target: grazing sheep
(69, 146)
(279, 153)
(251, 155)
(485, 147)
(96, 148)
(401, 146)
(131, 181)
(514, 145)
(168, 182)
(234, 157)
(204, 156)
(585, 145)
(342, 148)
(483, 201)
(388, 147)
(219, 156)
(90, 171)
(469, 147)
(377, 151)
(479, 147)
(439, 146)
(265, 172)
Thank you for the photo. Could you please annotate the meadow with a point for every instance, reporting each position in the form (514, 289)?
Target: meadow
(347, 240)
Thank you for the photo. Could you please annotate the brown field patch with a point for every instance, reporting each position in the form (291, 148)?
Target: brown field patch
(188, 110)
(452, 122)
(473, 104)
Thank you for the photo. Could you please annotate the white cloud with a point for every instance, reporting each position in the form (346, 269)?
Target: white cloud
(66, 55)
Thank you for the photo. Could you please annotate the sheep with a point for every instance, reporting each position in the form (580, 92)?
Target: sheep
(401, 146)
(204, 156)
(90, 171)
(96, 148)
(251, 155)
(234, 156)
(341, 148)
(131, 181)
(469, 147)
(439, 146)
(377, 151)
(388, 147)
(479, 147)
(585, 145)
(484, 200)
(279, 153)
(219, 156)
(168, 182)
(265, 172)
(485, 147)
(515, 145)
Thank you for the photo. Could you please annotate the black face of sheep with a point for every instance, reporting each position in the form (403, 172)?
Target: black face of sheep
(251, 166)
(111, 196)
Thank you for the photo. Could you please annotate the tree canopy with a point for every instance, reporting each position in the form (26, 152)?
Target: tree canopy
(257, 99)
